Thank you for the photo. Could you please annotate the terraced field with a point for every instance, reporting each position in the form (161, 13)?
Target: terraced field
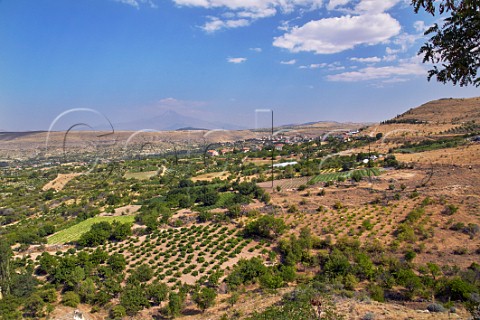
(75, 232)
(325, 177)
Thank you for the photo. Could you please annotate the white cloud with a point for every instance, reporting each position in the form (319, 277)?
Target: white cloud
(333, 35)
(257, 13)
(419, 26)
(137, 3)
(293, 61)
(375, 6)
(380, 73)
(405, 41)
(315, 66)
(367, 60)
(391, 51)
(250, 10)
(236, 60)
(256, 49)
(390, 57)
(333, 4)
(336, 68)
(250, 5)
(216, 24)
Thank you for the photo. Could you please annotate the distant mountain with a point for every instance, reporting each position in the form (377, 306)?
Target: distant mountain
(172, 120)
(7, 136)
(190, 129)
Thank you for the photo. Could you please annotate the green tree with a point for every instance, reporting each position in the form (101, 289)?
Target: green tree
(86, 290)
(210, 197)
(49, 295)
(234, 211)
(118, 312)
(23, 284)
(5, 258)
(175, 304)
(246, 271)
(142, 273)
(205, 298)
(97, 235)
(120, 231)
(266, 226)
(157, 292)
(117, 262)
(271, 281)
(34, 306)
(454, 45)
(133, 299)
(71, 299)
(9, 308)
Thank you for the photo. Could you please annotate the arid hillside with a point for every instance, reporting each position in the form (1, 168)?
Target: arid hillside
(455, 111)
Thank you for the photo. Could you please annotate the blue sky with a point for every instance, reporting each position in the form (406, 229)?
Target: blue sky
(309, 60)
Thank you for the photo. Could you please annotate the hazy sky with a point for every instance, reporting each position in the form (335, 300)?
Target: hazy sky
(309, 60)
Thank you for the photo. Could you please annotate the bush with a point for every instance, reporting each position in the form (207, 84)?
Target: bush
(271, 281)
(410, 255)
(205, 298)
(356, 176)
(450, 209)
(266, 226)
(118, 312)
(368, 316)
(292, 209)
(246, 271)
(71, 299)
(133, 299)
(376, 293)
(435, 307)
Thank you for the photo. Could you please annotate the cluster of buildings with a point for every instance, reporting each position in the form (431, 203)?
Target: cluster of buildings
(258, 144)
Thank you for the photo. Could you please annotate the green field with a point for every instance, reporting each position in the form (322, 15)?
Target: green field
(346, 174)
(74, 232)
(140, 175)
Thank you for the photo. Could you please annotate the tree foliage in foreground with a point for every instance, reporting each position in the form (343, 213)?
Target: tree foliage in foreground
(454, 47)
(266, 226)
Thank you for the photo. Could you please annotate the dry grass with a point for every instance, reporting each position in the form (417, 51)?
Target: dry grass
(60, 181)
(210, 176)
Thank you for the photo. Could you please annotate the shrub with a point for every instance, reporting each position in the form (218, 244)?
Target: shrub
(271, 281)
(205, 298)
(471, 229)
(266, 226)
(435, 307)
(133, 299)
(460, 251)
(292, 209)
(71, 299)
(410, 255)
(457, 226)
(356, 176)
(246, 271)
(338, 205)
(376, 292)
(368, 316)
(118, 312)
(450, 209)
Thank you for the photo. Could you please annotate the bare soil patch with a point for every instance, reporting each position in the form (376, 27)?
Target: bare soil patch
(60, 181)
(211, 175)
